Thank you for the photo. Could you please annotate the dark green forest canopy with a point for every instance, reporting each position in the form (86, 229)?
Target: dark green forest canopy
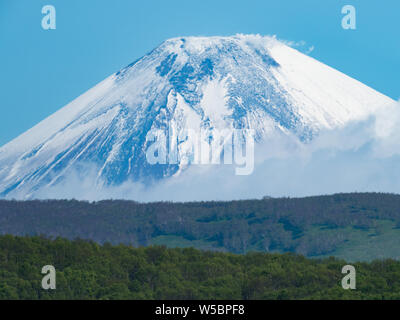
(354, 226)
(87, 270)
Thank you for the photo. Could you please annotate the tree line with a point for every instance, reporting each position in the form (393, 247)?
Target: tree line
(88, 270)
(311, 226)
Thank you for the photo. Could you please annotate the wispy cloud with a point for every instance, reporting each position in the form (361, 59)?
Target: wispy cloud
(299, 45)
(362, 156)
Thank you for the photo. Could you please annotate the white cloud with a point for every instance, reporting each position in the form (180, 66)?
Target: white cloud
(362, 156)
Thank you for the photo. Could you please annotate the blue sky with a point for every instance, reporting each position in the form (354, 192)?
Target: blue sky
(41, 71)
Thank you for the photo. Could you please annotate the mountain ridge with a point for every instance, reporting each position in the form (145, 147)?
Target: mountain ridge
(243, 81)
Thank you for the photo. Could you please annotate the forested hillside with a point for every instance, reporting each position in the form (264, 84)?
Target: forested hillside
(87, 270)
(358, 226)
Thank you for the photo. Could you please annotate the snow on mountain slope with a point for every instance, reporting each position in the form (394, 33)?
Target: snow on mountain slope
(242, 81)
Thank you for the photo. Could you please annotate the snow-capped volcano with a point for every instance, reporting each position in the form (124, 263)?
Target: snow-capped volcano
(242, 81)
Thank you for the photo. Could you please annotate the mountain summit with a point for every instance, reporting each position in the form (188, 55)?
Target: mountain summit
(243, 81)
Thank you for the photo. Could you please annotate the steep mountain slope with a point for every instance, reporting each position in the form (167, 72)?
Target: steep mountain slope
(186, 83)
